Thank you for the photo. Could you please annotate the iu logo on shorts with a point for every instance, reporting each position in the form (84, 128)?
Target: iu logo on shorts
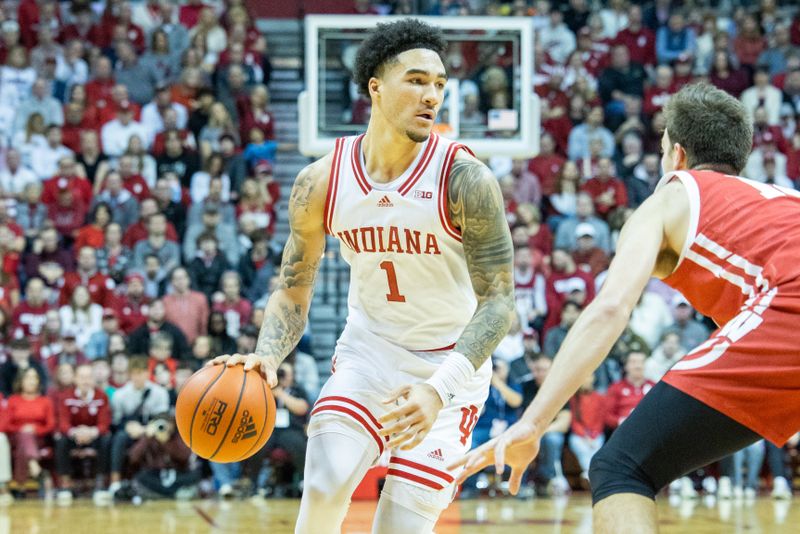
(469, 418)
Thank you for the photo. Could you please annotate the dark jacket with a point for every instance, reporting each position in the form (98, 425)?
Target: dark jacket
(139, 340)
(206, 278)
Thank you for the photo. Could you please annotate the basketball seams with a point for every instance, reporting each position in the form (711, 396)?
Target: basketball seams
(199, 402)
(263, 426)
(233, 416)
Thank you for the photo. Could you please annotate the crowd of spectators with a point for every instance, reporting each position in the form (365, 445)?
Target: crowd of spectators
(138, 208)
(137, 217)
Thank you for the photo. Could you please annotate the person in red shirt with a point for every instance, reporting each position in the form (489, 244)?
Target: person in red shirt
(256, 114)
(93, 233)
(587, 255)
(625, 394)
(138, 230)
(67, 178)
(132, 180)
(98, 89)
(607, 192)
(84, 420)
(101, 287)
(639, 39)
(237, 310)
(657, 95)
(564, 281)
(30, 421)
(588, 408)
(133, 305)
(161, 354)
(547, 164)
(76, 120)
(31, 314)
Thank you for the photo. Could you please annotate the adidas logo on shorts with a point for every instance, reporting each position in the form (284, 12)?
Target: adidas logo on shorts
(384, 202)
(436, 455)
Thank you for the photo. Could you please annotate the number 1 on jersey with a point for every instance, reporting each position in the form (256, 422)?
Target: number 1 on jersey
(394, 294)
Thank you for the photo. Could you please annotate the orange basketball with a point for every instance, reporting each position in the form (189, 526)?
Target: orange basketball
(225, 414)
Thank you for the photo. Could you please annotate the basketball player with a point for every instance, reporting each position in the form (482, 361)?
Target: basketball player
(421, 223)
(731, 246)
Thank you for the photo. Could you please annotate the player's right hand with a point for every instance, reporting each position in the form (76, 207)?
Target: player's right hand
(265, 365)
(516, 447)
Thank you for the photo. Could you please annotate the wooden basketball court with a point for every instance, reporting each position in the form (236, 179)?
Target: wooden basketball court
(496, 516)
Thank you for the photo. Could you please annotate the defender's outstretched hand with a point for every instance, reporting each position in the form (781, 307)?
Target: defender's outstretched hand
(266, 365)
(516, 447)
(409, 423)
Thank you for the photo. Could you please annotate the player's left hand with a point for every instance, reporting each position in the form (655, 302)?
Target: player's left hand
(516, 447)
(409, 423)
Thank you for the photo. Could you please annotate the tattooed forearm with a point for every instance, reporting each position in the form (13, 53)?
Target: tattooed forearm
(287, 309)
(476, 207)
(281, 331)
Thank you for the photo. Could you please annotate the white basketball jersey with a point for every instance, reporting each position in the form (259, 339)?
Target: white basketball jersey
(409, 282)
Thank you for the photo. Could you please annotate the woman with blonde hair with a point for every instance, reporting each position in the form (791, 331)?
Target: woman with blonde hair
(81, 316)
(219, 123)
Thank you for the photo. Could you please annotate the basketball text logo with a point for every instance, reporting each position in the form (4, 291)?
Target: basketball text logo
(246, 428)
(214, 416)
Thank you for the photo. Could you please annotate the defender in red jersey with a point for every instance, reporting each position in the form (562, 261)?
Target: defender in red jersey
(730, 245)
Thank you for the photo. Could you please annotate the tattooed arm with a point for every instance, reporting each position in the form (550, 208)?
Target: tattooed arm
(477, 209)
(287, 309)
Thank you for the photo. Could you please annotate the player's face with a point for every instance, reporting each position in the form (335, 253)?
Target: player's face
(410, 92)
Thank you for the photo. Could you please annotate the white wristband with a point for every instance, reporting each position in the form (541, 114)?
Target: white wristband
(451, 377)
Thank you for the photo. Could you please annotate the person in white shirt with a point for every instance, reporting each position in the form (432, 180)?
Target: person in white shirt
(154, 111)
(116, 133)
(16, 77)
(556, 38)
(38, 101)
(44, 159)
(765, 95)
(15, 177)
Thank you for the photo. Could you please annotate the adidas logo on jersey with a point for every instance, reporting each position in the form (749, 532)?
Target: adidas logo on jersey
(384, 202)
(436, 455)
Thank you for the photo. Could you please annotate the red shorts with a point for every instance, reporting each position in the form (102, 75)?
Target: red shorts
(750, 368)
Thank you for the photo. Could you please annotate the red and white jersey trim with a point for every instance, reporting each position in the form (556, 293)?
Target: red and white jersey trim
(333, 185)
(356, 411)
(419, 473)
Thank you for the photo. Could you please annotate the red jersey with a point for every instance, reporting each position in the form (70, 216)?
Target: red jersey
(37, 412)
(641, 44)
(73, 410)
(81, 189)
(597, 188)
(588, 414)
(237, 314)
(739, 266)
(623, 397)
(558, 289)
(100, 286)
(30, 319)
(132, 314)
(137, 187)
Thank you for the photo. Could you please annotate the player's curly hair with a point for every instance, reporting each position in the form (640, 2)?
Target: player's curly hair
(387, 41)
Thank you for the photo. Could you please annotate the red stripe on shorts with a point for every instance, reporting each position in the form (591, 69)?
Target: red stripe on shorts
(430, 470)
(414, 478)
(354, 415)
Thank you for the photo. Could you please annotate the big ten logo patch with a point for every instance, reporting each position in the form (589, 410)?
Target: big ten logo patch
(212, 416)
(246, 428)
(425, 195)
